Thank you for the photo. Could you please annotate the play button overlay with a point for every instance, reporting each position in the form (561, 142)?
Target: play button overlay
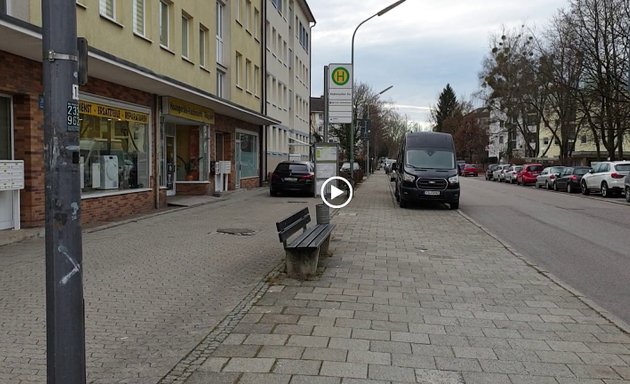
(335, 192)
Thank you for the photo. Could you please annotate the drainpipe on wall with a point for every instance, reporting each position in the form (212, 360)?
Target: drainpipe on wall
(263, 83)
(311, 154)
(157, 126)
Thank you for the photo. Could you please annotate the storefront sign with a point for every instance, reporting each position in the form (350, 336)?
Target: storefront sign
(186, 110)
(95, 109)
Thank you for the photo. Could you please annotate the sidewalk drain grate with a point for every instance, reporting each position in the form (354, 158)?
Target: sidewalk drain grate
(237, 231)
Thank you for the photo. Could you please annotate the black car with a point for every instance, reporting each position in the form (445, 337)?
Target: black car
(491, 168)
(293, 176)
(569, 179)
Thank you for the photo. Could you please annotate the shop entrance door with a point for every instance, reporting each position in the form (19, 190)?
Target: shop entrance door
(6, 153)
(171, 155)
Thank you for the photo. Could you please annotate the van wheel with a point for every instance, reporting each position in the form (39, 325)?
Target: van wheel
(628, 194)
(569, 188)
(604, 190)
(585, 190)
(454, 205)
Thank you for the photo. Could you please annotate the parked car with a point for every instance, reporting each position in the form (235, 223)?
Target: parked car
(569, 179)
(470, 170)
(528, 174)
(293, 176)
(499, 172)
(548, 176)
(426, 170)
(510, 174)
(626, 188)
(388, 165)
(490, 170)
(606, 177)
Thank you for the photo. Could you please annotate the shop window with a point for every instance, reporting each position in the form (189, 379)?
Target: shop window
(248, 155)
(114, 145)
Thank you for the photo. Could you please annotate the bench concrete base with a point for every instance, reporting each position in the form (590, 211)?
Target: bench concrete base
(302, 263)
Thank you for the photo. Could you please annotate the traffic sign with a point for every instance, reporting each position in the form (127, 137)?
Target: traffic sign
(340, 93)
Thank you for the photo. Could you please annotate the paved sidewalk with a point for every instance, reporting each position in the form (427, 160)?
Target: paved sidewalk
(155, 287)
(417, 296)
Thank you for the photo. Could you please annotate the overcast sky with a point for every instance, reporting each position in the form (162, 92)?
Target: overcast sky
(419, 46)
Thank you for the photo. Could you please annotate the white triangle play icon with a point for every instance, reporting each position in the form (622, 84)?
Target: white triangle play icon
(335, 192)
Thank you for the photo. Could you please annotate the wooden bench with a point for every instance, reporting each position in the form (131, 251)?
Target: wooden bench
(302, 253)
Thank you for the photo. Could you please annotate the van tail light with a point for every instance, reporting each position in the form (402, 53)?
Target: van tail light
(573, 178)
(615, 175)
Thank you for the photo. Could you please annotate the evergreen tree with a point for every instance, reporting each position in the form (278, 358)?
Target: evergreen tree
(446, 107)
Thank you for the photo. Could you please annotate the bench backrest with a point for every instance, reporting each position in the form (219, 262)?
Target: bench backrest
(287, 227)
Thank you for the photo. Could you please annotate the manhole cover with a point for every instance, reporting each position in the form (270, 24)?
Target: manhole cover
(237, 231)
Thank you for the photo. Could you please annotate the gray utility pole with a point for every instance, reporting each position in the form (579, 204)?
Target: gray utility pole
(326, 117)
(65, 322)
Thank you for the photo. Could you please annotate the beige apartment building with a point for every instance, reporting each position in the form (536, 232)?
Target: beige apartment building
(288, 26)
(175, 102)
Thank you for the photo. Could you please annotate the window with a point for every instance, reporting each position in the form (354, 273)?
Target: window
(500, 139)
(186, 22)
(138, 17)
(248, 14)
(256, 79)
(277, 4)
(248, 154)
(114, 147)
(583, 139)
(108, 9)
(238, 11)
(248, 75)
(6, 142)
(203, 44)
(165, 9)
(256, 23)
(220, 83)
(220, 28)
(238, 69)
(546, 141)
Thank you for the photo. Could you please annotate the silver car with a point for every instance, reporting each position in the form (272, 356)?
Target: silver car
(499, 172)
(548, 176)
(510, 174)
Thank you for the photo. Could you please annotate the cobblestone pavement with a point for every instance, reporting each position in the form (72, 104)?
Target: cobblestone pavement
(154, 288)
(418, 296)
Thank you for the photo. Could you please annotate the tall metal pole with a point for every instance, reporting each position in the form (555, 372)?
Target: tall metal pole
(65, 323)
(326, 112)
(379, 13)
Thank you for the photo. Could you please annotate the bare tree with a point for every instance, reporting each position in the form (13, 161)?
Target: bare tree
(601, 28)
(559, 70)
(511, 83)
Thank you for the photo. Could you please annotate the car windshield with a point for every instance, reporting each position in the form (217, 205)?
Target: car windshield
(516, 169)
(283, 167)
(622, 167)
(430, 158)
(535, 168)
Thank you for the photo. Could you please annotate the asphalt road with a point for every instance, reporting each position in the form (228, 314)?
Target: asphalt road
(585, 241)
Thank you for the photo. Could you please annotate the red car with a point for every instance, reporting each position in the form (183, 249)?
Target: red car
(470, 170)
(528, 174)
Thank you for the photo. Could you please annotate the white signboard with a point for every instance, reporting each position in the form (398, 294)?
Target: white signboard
(11, 175)
(340, 93)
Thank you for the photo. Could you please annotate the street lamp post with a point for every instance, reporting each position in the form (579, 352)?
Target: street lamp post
(367, 132)
(352, 124)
